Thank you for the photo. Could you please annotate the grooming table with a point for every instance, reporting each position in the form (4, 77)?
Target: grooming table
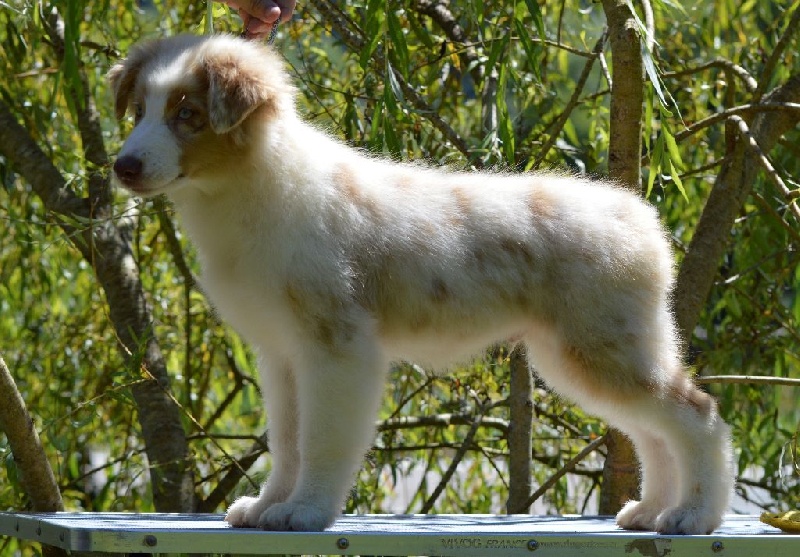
(443, 535)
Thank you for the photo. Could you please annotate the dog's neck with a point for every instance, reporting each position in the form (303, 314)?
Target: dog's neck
(259, 188)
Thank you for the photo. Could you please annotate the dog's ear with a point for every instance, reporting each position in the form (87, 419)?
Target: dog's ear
(235, 89)
(123, 75)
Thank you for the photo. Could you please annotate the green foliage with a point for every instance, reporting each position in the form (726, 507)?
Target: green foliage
(410, 91)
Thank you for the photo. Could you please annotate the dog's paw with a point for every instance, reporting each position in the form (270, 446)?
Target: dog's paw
(687, 520)
(296, 517)
(245, 512)
(638, 515)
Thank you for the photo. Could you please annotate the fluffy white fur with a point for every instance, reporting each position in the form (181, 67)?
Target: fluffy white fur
(333, 264)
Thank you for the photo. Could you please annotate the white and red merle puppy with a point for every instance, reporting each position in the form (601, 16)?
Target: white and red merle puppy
(333, 263)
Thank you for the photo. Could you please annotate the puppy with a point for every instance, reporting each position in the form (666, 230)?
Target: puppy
(333, 264)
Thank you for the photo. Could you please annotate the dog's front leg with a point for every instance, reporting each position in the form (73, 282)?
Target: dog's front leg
(280, 402)
(339, 390)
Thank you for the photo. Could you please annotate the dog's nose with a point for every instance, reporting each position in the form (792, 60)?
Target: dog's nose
(128, 169)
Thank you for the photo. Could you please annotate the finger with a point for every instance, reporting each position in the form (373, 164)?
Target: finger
(256, 36)
(267, 11)
(257, 28)
(287, 8)
(245, 20)
(253, 28)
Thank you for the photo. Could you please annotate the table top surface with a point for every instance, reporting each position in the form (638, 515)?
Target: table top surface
(446, 535)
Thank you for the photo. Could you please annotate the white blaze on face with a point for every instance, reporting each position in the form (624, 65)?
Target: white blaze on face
(153, 142)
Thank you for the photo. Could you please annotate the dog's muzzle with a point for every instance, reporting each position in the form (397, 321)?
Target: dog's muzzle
(128, 169)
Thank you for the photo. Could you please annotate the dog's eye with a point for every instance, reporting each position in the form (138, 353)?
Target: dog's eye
(138, 112)
(185, 113)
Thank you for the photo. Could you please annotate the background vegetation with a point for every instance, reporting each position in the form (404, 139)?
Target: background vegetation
(144, 401)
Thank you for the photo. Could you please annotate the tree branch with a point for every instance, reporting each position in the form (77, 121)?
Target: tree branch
(88, 120)
(35, 473)
(561, 121)
(746, 109)
(439, 12)
(729, 67)
(32, 163)
(551, 481)
(351, 36)
(775, 56)
(441, 420)
(230, 480)
(761, 158)
(457, 458)
(731, 188)
(747, 380)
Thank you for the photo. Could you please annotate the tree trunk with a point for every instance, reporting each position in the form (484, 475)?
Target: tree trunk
(105, 244)
(620, 477)
(627, 95)
(35, 473)
(620, 473)
(520, 445)
(159, 415)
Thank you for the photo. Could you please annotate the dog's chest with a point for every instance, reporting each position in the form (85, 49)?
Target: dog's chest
(238, 271)
(244, 298)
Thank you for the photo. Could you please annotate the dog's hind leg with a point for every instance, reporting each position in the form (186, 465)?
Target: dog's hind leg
(280, 402)
(339, 393)
(699, 442)
(636, 384)
(660, 481)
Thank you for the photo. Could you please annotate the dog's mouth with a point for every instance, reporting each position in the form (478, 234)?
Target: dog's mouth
(129, 173)
(142, 189)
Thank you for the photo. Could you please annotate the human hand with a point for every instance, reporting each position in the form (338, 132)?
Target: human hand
(259, 16)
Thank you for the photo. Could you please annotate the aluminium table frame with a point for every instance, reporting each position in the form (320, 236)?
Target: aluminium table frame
(441, 535)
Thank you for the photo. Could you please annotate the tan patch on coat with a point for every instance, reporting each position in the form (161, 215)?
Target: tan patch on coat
(205, 153)
(518, 249)
(345, 179)
(404, 182)
(688, 394)
(541, 205)
(462, 207)
(236, 89)
(125, 75)
(325, 318)
(439, 291)
(599, 377)
(294, 298)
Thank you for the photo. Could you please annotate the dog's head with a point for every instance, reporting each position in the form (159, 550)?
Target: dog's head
(196, 102)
